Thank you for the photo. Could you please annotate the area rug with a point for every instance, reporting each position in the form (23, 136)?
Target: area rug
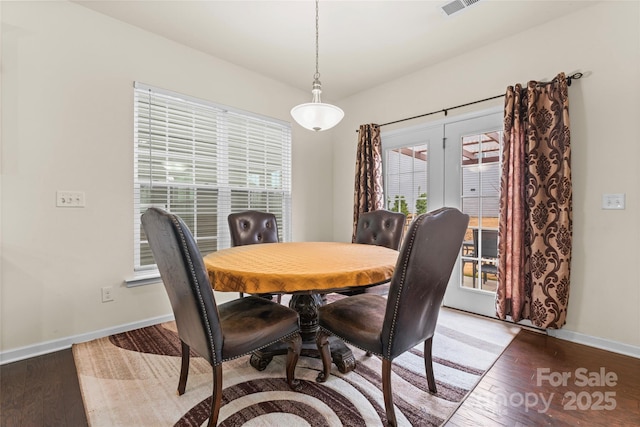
(130, 379)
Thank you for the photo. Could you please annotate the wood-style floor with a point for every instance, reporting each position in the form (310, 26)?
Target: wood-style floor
(44, 390)
(543, 381)
(41, 391)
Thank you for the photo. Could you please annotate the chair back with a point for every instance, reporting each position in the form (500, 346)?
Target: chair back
(186, 281)
(381, 227)
(428, 254)
(250, 227)
(489, 243)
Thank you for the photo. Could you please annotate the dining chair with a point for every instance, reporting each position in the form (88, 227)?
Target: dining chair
(218, 333)
(489, 252)
(488, 243)
(382, 228)
(253, 227)
(390, 326)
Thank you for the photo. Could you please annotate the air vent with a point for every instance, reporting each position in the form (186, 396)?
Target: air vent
(457, 5)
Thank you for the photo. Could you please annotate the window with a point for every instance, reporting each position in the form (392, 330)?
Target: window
(202, 161)
(408, 160)
(406, 180)
(480, 188)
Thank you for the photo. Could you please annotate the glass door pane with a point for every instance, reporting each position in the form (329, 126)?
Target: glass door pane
(407, 180)
(408, 170)
(480, 189)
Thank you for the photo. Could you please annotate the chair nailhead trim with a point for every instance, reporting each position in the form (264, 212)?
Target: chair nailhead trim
(195, 279)
(284, 338)
(418, 221)
(349, 342)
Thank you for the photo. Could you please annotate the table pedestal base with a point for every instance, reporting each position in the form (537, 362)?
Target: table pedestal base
(307, 307)
(340, 354)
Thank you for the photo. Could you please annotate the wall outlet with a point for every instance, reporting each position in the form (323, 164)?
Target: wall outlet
(107, 294)
(69, 199)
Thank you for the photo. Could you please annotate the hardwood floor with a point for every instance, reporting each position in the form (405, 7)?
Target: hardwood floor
(540, 380)
(44, 390)
(41, 391)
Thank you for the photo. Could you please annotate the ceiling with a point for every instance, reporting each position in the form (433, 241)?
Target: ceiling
(362, 43)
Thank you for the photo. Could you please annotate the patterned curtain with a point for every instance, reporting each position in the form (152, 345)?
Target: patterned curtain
(368, 192)
(535, 205)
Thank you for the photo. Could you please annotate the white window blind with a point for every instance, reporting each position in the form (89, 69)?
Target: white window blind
(203, 161)
(406, 179)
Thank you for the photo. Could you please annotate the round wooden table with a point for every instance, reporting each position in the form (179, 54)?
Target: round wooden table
(308, 271)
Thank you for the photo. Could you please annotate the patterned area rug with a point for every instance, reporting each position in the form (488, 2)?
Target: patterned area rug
(130, 379)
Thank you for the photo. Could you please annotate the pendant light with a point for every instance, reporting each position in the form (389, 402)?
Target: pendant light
(316, 115)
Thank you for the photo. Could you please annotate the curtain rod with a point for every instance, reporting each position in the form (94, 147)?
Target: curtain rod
(574, 76)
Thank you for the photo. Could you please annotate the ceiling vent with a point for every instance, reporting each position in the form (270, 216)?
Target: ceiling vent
(457, 5)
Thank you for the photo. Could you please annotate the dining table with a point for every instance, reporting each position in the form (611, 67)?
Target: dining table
(306, 270)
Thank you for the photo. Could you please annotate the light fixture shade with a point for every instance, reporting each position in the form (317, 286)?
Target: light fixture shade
(317, 116)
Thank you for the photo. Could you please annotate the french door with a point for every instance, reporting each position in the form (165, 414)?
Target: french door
(453, 162)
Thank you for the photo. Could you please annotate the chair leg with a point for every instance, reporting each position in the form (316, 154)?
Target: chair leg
(473, 274)
(322, 341)
(279, 298)
(216, 397)
(184, 369)
(428, 364)
(388, 394)
(295, 347)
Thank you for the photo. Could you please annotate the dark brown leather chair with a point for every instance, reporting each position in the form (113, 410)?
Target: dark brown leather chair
(489, 252)
(252, 227)
(217, 333)
(381, 227)
(389, 327)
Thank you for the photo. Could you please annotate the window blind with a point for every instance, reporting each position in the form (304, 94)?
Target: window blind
(406, 179)
(203, 161)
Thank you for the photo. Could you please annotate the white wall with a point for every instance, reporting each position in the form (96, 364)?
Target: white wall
(67, 76)
(603, 41)
(67, 124)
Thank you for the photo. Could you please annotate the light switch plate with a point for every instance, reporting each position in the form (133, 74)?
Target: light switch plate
(613, 201)
(69, 199)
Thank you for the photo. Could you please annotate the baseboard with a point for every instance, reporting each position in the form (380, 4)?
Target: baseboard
(60, 344)
(601, 343)
(63, 343)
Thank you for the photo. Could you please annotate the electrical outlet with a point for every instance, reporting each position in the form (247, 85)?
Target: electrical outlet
(70, 199)
(107, 294)
(613, 201)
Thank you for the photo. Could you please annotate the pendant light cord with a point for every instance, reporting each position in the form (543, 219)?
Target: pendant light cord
(317, 74)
